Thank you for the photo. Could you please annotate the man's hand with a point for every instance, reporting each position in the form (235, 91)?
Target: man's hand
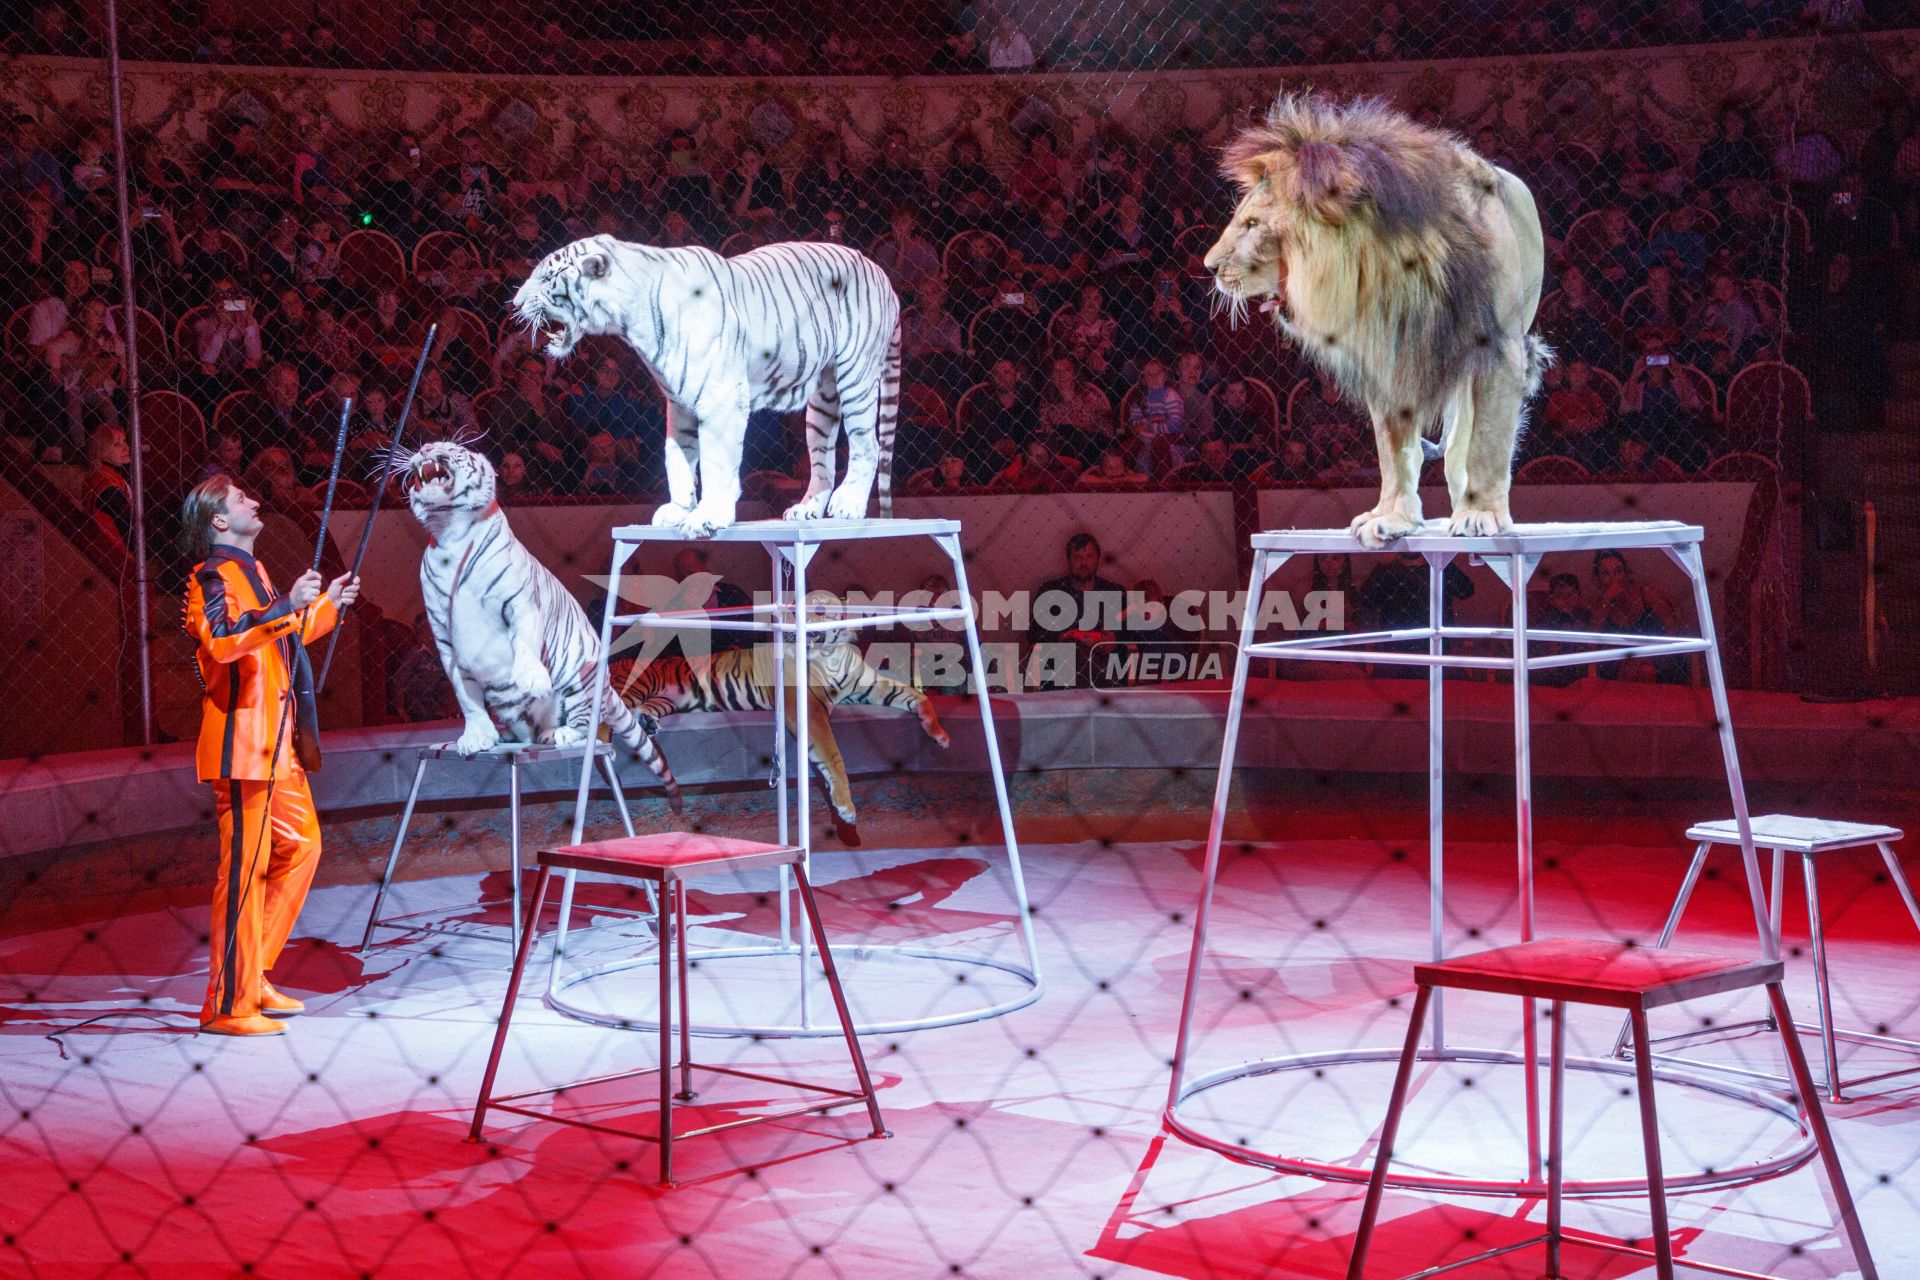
(344, 590)
(305, 589)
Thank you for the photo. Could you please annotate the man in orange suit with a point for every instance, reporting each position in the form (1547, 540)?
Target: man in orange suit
(259, 692)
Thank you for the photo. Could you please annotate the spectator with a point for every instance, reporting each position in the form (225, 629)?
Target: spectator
(828, 196)
(1080, 608)
(996, 422)
(511, 484)
(1394, 596)
(56, 310)
(531, 418)
(554, 53)
(472, 189)
(601, 473)
(1732, 153)
(26, 165)
(634, 424)
(1560, 188)
(1234, 418)
(1167, 323)
(1679, 244)
(971, 194)
(277, 262)
(1579, 322)
(228, 456)
(1112, 472)
(330, 345)
(1089, 331)
(1856, 223)
(226, 342)
(896, 177)
(1187, 193)
(1849, 367)
(285, 325)
(1075, 411)
(241, 180)
(1154, 415)
(1196, 406)
(389, 337)
(1008, 49)
(1050, 256)
(1214, 465)
(480, 52)
(1038, 469)
(907, 257)
(1041, 174)
(441, 413)
(1656, 406)
(461, 279)
(323, 48)
(751, 191)
(109, 482)
(1625, 606)
(1330, 425)
(980, 271)
(272, 476)
(1577, 419)
(423, 49)
(392, 197)
(1725, 319)
(959, 52)
(1126, 249)
(86, 362)
(419, 689)
(1294, 465)
(948, 475)
(1563, 610)
(933, 343)
(1610, 262)
(1080, 48)
(319, 258)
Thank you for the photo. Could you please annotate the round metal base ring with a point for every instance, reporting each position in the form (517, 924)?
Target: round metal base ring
(830, 1027)
(1800, 1153)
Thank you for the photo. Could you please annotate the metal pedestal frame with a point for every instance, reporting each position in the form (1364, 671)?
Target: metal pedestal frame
(1512, 557)
(1833, 1085)
(514, 755)
(791, 546)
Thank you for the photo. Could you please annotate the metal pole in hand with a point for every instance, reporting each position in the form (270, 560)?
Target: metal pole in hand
(380, 492)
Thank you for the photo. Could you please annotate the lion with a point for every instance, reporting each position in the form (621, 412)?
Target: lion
(1409, 269)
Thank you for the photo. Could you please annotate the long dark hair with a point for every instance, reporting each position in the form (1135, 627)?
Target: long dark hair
(207, 500)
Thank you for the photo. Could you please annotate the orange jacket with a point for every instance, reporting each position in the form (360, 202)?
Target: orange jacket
(250, 662)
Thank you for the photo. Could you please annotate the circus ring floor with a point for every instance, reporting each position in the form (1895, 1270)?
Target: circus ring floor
(1026, 1146)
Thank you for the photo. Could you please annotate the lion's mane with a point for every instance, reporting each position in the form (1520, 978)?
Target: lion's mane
(1391, 280)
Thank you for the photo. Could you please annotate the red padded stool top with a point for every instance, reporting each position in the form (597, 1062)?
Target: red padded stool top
(1612, 974)
(669, 855)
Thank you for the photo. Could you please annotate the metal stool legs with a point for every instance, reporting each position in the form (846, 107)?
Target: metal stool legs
(393, 854)
(1661, 1254)
(671, 925)
(506, 1009)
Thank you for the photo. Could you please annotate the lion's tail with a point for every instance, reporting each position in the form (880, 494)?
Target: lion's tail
(1539, 358)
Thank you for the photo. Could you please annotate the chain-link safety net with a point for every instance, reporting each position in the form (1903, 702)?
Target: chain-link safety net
(1730, 194)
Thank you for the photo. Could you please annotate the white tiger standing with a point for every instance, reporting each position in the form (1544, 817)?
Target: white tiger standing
(780, 327)
(517, 647)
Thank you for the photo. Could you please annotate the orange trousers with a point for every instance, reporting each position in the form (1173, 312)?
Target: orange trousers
(261, 886)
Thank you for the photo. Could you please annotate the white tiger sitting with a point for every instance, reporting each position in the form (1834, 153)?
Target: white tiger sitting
(517, 647)
(743, 680)
(781, 327)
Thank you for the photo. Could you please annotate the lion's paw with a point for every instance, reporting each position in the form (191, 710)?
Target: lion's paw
(1382, 525)
(812, 507)
(1474, 523)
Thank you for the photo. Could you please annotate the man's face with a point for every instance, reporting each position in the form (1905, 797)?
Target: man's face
(1214, 454)
(513, 469)
(1236, 395)
(1565, 597)
(242, 514)
(951, 469)
(1005, 376)
(1054, 215)
(1190, 369)
(606, 378)
(470, 152)
(284, 387)
(116, 452)
(230, 451)
(1084, 561)
(78, 278)
(1294, 453)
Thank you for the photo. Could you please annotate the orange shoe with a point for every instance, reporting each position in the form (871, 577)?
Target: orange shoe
(275, 1005)
(257, 1025)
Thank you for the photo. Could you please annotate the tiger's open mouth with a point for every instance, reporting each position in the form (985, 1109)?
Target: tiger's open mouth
(556, 335)
(430, 478)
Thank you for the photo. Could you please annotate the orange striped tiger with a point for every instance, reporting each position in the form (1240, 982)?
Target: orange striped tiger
(743, 680)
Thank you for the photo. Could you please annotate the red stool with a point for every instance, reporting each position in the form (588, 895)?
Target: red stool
(669, 860)
(1574, 971)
